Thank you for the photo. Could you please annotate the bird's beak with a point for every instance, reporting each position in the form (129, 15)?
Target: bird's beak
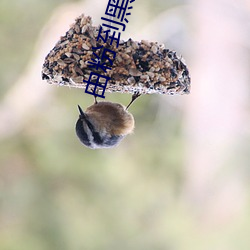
(82, 115)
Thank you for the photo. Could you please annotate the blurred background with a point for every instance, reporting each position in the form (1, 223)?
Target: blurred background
(180, 182)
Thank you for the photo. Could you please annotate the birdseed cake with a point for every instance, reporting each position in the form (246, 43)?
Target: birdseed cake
(144, 67)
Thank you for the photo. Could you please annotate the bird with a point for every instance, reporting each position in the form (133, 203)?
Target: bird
(104, 124)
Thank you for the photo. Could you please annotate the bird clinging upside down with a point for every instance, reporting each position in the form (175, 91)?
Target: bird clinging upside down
(104, 124)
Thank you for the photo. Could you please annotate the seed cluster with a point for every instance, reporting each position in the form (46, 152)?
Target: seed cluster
(143, 67)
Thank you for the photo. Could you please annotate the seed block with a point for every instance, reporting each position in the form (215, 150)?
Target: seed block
(144, 67)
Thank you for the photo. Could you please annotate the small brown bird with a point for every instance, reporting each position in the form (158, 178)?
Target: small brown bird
(104, 124)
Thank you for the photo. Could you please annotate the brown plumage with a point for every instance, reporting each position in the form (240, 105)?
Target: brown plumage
(104, 124)
(110, 117)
